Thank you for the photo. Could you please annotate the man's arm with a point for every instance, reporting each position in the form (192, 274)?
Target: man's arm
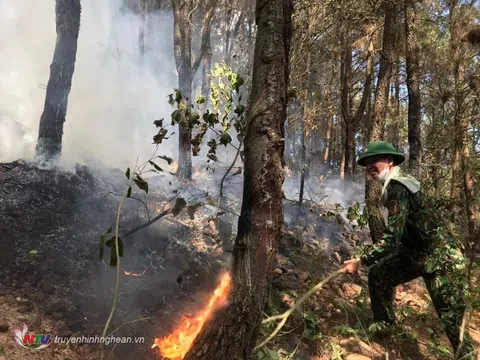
(398, 204)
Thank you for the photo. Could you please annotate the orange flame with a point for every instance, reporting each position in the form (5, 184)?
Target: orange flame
(176, 345)
(134, 274)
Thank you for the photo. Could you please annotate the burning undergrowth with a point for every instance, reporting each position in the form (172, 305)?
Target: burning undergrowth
(51, 222)
(50, 226)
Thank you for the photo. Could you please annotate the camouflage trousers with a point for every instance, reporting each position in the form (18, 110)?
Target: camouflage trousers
(446, 292)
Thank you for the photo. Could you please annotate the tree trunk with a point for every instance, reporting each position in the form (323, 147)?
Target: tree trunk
(395, 123)
(186, 71)
(373, 188)
(328, 136)
(303, 135)
(345, 70)
(232, 331)
(50, 132)
(330, 115)
(458, 75)
(207, 64)
(413, 85)
(141, 33)
(471, 205)
(352, 121)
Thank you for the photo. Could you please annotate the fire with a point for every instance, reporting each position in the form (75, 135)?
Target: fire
(134, 274)
(176, 345)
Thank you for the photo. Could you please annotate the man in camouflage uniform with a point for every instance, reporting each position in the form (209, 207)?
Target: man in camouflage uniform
(413, 245)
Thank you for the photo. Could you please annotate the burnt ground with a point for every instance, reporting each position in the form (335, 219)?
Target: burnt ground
(52, 279)
(50, 225)
(51, 221)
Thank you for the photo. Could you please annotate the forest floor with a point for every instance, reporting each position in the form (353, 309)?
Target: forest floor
(334, 322)
(52, 280)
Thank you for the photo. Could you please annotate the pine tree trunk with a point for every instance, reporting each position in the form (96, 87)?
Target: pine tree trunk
(413, 84)
(50, 132)
(141, 33)
(471, 205)
(182, 48)
(232, 332)
(207, 63)
(373, 188)
(304, 119)
(328, 137)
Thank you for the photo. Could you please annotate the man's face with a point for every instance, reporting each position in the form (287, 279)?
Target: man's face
(376, 164)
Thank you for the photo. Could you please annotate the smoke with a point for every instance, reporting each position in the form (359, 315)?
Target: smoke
(115, 94)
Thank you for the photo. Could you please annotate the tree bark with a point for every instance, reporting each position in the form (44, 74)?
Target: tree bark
(232, 332)
(352, 121)
(413, 85)
(303, 135)
(458, 75)
(207, 64)
(345, 70)
(373, 188)
(141, 33)
(186, 71)
(50, 132)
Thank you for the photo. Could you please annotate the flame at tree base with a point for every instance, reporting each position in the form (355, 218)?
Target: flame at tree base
(178, 343)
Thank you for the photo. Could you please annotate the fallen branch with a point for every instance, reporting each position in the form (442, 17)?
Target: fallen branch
(150, 222)
(158, 217)
(283, 317)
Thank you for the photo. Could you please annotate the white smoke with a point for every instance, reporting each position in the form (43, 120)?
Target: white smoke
(114, 98)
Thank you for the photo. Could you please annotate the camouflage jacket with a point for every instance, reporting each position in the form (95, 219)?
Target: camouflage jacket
(412, 225)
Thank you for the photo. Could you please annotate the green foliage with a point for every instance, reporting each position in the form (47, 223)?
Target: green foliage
(312, 326)
(266, 353)
(227, 112)
(110, 243)
(354, 213)
(346, 330)
(142, 184)
(338, 352)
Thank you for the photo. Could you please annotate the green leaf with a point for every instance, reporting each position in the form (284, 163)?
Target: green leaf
(155, 165)
(179, 205)
(129, 191)
(127, 173)
(176, 116)
(158, 123)
(268, 354)
(157, 139)
(225, 139)
(142, 184)
(110, 242)
(178, 95)
(33, 252)
(113, 259)
(170, 100)
(167, 159)
(113, 252)
(239, 110)
(200, 99)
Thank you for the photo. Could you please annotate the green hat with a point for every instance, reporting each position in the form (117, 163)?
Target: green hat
(381, 148)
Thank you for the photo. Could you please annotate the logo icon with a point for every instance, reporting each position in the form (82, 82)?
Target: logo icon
(31, 341)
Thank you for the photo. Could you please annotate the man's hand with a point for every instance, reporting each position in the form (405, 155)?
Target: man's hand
(351, 266)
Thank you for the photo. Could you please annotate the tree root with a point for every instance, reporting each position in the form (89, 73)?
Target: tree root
(283, 317)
